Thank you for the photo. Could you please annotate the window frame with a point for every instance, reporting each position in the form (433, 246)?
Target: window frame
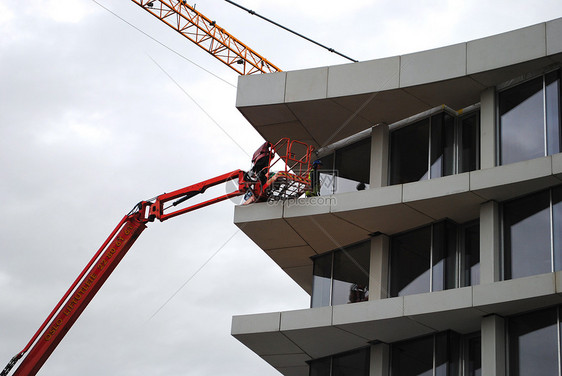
(456, 348)
(458, 253)
(457, 119)
(334, 156)
(366, 349)
(552, 225)
(332, 256)
(512, 85)
(508, 336)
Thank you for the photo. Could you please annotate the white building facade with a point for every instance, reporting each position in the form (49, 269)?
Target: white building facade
(435, 247)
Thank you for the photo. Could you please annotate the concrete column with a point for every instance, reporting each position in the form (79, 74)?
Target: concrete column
(378, 273)
(379, 156)
(488, 144)
(493, 346)
(380, 360)
(490, 252)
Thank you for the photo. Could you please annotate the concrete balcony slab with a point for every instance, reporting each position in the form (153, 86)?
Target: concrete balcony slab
(380, 320)
(557, 165)
(517, 179)
(517, 295)
(506, 49)
(302, 275)
(321, 342)
(446, 197)
(306, 318)
(272, 234)
(433, 65)
(269, 343)
(364, 77)
(261, 89)
(327, 232)
(553, 40)
(258, 323)
(308, 84)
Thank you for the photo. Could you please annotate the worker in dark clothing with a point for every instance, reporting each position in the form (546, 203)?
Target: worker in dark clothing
(314, 179)
(260, 162)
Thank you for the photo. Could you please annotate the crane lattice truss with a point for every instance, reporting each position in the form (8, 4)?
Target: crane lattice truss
(208, 35)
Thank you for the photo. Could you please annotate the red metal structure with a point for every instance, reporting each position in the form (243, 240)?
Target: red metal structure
(205, 33)
(291, 181)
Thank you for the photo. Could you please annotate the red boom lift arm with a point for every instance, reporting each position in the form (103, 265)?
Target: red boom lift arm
(291, 182)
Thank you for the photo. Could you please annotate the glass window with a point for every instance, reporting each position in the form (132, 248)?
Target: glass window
(433, 355)
(443, 255)
(533, 343)
(471, 254)
(320, 367)
(469, 142)
(529, 116)
(353, 166)
(347, 169)
(473, 364)
(342, 276)
(437, 146)
(425, 259)
(351, 274)
(527, 245)
(353, 363)
(552, 98)
(442, 145)
(327, 175)
(410, 262)
(413, 358)
(409, 150)
(557, 226)
(322, 281)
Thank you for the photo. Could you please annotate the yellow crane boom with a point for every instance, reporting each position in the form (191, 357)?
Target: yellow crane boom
(205, 33)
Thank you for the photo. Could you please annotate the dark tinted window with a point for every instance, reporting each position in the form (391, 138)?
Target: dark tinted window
(469, 143)
(443, 254)
(474, 363)
(351, 364)
(413, 358)
(522, 122)
(320, 367)
(557, 226)
(322, 281)
(530, 119)
(351, 274)
(342, 276)
(552, 96)
(533, 344)
(527, 236)
(409, 153)
(410, 262)
(442, 145)
(471, 254)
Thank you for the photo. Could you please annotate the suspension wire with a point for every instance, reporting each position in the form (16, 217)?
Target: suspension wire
(289, 30)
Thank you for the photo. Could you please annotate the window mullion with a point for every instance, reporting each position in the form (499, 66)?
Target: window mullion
(332, 280)
(558, 335)
(552, 267)
(434, 353)
(430, 148)
(545, 129)
(431, 260)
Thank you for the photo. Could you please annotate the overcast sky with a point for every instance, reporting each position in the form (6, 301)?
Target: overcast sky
(91, 123)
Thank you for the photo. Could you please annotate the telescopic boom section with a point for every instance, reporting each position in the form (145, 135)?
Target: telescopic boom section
(106, 259)
(208, 35)
(259, 184)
